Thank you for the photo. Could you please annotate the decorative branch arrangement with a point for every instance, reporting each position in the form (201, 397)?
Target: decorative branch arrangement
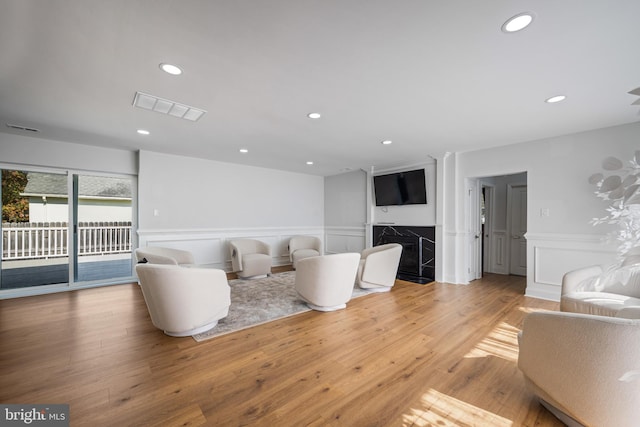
(621, 187)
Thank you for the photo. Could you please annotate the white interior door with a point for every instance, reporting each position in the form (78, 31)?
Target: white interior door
(517, 229)
(474, 269)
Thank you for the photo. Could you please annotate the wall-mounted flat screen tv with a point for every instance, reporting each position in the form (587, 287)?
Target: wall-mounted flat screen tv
(402, 188)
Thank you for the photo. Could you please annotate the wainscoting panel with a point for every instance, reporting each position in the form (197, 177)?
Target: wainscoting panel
(499, 259)
(211, 246)
(550, 256)
(205, 249)
(344, 239)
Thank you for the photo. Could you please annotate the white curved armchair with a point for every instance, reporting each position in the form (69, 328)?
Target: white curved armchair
(612, 292)
(301, 247)
(325, 283)
(584, 368)
(184, 301)
(250, 258)
(160, 255)
(379, 267)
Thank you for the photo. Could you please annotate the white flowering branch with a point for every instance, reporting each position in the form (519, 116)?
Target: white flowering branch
(622, 189)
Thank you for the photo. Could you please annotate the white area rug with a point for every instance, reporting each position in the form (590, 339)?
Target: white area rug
(258, 301)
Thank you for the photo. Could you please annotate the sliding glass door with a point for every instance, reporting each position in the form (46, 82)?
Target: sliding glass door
(35, 233)
(65, 229)
(103, 213)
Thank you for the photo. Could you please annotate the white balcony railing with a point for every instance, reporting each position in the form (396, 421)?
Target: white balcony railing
(49, 240)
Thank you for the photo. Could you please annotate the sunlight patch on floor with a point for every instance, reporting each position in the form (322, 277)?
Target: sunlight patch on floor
(502, 342)
(531, 309)
(438, 409)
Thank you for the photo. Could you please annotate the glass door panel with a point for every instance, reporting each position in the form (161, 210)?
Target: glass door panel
(35, 239)
(103, 212)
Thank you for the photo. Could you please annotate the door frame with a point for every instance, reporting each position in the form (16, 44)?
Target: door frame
(487, 256)
(73, 282)
(474, 232)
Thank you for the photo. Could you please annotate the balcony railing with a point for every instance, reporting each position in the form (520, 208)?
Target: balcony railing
(32, 240)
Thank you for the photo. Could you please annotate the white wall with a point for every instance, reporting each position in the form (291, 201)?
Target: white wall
(199, 205)
(413, 215)
(28, 151)
(345, 207)
(350, 209)
(557, 171)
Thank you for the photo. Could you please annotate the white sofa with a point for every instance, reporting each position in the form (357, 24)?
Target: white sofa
(326, 282)
(378, 267)
(184, 301)
(614, 291)
(584, 368)
(160, 255)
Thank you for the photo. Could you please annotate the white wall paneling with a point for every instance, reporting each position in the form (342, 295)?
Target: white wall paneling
(455, 250)
(550, 256)
(344, 239)
(499, 260)
(211, 246)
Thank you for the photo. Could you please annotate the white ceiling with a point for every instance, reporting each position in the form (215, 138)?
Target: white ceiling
(433, 76)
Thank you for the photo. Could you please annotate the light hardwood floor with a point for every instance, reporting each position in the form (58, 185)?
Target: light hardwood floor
(421, 355)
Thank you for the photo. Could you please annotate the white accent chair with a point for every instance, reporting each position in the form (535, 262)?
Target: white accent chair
(326, 282)
(378, 267)
(585, 369)
(301, 247)
(184, 301)
(159, 255)
(612, 292)
(250, 258)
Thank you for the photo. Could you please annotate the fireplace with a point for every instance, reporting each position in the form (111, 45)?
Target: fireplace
(417, 263)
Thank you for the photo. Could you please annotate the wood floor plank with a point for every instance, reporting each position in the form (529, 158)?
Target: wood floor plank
(420, 355)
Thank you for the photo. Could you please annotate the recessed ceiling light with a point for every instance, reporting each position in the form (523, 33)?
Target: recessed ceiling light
(244, 150)
(555, 99)
(309, 163)
(387, 142)
(171, 69)
(143, 132)
(314, 115)
(518, 22)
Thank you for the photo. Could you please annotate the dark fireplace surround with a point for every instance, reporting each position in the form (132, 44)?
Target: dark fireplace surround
(418, 260)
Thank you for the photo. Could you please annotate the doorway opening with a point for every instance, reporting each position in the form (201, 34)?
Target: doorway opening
(501, 221)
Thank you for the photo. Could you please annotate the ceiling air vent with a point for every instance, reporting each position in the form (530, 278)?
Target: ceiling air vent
(166, 106)
(23, 128)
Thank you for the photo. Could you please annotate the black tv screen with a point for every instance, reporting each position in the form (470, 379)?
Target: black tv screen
(402, 188)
